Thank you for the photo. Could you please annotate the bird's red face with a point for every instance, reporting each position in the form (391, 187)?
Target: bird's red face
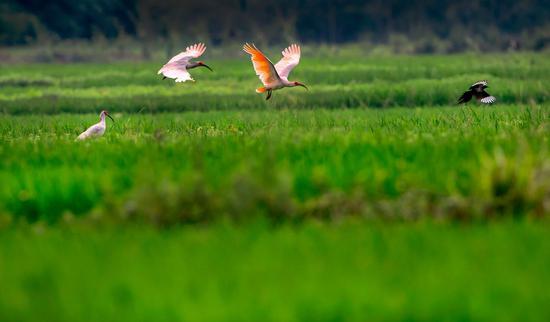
(300, 84)
(107, 114)
(204, 65)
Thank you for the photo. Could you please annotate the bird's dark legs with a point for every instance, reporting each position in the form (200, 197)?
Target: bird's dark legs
(268, 95)
(164, 77)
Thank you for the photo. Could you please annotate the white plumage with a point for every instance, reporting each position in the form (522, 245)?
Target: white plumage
(481, 82)
(97, 129)
(291, 58)
(177, 67)
(488, 100)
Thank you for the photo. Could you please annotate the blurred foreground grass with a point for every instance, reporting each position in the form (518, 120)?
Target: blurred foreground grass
(314, 272)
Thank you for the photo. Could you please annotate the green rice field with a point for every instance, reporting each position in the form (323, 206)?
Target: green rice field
(370, 197)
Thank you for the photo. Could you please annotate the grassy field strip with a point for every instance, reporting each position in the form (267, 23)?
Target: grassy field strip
(405, 163)
(369, 82)
(204, 202)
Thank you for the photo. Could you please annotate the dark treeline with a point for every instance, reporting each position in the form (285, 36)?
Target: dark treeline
(455, 25)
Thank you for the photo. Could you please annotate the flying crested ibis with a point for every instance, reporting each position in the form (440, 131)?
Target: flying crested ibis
(177, 66)
(97, 129)
(477, 90)
(274, 77)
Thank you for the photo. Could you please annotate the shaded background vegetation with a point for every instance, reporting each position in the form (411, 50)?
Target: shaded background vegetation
(405, 26)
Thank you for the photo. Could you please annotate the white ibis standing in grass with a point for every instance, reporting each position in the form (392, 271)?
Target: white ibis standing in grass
(177, 66)
(477, 90)
(97, 129)
(274, 77)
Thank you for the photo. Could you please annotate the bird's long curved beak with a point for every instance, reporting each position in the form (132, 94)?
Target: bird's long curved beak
(204, 65)
(303, 85)
(109, 116)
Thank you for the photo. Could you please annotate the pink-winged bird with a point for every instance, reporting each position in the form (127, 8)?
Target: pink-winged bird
(178, 65)
(274, 77)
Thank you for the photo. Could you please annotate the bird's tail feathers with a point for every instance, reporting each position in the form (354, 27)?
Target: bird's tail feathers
(183, 80)
(261, 89)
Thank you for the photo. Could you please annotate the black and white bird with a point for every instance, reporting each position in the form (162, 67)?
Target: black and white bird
(477, 90)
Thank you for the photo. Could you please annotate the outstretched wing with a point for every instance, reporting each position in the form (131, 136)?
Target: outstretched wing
(486, 98)
(194, 51)
(177, 66)
(466, 97)
(291, 58)
(263, 67)
(481, 82)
